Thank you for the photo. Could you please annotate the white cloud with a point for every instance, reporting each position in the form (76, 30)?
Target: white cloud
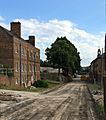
(47, 32)
(2, 22)
(1, 18)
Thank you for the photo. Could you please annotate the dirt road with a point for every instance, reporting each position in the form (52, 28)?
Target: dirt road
(69, 102)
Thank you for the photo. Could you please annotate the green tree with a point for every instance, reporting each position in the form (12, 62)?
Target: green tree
(45, 63)
(63, 54)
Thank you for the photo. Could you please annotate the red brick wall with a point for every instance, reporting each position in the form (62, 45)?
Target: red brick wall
(9, 56)
(5, 80)
(6, 48)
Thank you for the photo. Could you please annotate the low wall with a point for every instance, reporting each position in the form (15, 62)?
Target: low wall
(49, 76)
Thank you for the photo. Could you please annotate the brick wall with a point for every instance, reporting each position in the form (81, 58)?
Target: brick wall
(6, 48)
(5, 80)
(11, 50)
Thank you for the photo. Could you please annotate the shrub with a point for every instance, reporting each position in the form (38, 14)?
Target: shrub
(41, 83)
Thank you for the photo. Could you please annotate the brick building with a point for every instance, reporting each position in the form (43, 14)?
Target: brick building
(20, 55)
(97, 68)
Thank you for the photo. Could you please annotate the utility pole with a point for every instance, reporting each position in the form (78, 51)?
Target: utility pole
(104, 78)
(102, 71)
(104, 75)
(20, 65)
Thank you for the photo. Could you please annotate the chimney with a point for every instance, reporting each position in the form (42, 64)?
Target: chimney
(32, 40)
(16, 28)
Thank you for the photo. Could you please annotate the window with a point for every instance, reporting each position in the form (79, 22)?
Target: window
(22, 50)
(25, 68)
(22, 80)
(37, 54)
(16, 81)
(17, 67)
(22, 67)
(16, 49)
(25, 52)
(29, 54)
(30, 68)
(32, 56)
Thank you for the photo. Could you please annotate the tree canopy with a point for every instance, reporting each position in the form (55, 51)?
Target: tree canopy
(63, 54)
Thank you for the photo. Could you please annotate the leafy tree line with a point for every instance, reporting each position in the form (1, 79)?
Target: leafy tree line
(44, 63)
(63, 55)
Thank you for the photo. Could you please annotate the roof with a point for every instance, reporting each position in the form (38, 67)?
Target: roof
(13, 34)
(7, 31)
(97, 58)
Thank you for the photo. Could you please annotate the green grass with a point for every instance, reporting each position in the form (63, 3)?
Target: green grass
(101, 107)
(94, 87)
(99, 104)
(51, 84)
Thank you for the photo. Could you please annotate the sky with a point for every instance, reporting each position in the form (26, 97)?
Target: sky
(83, 22)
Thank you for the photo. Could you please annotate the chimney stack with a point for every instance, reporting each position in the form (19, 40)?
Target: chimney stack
(16, 28)
(32, 40)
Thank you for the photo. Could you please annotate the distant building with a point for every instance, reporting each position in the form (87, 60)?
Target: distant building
(97, 68)
(20, 55)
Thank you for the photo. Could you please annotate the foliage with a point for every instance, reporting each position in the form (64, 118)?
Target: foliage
(41, 83)
(84, 70)
(94, 87)
(44, 63)
(63, 54)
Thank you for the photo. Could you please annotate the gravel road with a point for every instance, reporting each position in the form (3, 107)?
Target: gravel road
(71, 101)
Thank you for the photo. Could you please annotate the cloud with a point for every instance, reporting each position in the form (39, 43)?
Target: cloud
(1, 18)
(2, 22)
(47, 32)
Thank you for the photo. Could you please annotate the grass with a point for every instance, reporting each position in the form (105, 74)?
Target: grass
(94, 87)
(51, 84)
(99, 104)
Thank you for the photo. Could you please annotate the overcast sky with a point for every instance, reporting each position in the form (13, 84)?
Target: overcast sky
(83, 22)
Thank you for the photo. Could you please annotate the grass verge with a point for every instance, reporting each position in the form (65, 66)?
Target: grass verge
(51, 84)
(94, 88)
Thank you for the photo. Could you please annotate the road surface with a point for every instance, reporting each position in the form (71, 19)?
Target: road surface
(71, 101)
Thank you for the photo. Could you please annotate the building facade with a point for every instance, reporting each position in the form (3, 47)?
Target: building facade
(20, 55)
(97, 69)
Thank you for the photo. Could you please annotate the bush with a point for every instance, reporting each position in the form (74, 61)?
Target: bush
(41, 83)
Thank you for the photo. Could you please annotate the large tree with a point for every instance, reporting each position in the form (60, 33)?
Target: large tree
(63, 54)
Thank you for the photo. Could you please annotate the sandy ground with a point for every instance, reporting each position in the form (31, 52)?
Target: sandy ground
(69, 102)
